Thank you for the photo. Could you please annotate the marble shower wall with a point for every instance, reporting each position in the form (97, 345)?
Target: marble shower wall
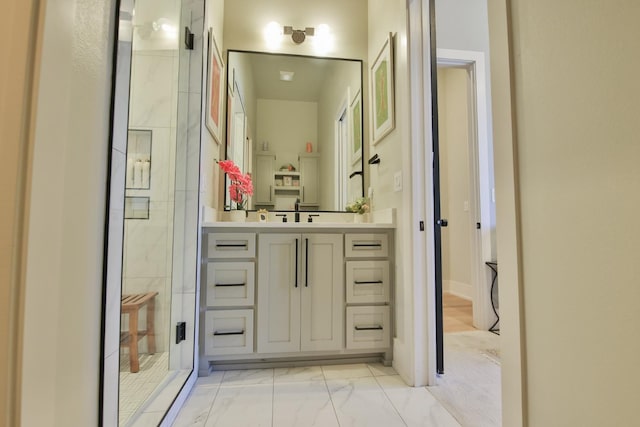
(148, 243)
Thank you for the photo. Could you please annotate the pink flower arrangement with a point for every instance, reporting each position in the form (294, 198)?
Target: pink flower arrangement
(240, 185)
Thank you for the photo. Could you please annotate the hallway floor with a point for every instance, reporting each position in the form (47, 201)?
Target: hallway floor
(457, 314)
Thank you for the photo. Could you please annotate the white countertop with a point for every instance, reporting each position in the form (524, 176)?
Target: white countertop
(380, 219)
(294, 225)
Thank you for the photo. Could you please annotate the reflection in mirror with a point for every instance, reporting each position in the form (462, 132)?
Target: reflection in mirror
(152, 362)
(295, 124)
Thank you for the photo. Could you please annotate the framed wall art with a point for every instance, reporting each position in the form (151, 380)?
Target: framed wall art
(382, 92)
(215, 71)
(355, 109)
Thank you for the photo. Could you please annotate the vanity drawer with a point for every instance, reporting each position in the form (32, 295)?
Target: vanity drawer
(231, 245)
(368, 327)
(230, 284)
(367, 281)
(228, 332)
(366, 245)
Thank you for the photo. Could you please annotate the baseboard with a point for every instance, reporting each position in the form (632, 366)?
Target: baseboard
(459, 289)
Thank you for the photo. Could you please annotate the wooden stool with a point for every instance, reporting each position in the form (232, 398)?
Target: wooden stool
(131, 305)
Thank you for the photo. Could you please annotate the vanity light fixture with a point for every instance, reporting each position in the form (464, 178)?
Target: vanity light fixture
(273, 35)
(323, 40)
(298, 36)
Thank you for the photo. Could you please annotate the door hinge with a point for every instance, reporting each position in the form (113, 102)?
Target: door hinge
(188, 39)
(181, 332)
(421, 225)
(477, 225)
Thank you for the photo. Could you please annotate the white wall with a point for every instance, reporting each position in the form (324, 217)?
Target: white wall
(576, 92)
(211, 195)
(347, 20)
(16, 39)
(62, 334)
(287, 125)
(454, 180)
(394, 150)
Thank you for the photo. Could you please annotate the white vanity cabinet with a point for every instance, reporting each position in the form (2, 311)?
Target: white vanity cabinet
(368, 291)
(295, 292)
(300, 293)
(228, 294)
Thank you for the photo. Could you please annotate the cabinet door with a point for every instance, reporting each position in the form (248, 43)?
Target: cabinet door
(279, 287)
(322, 297)
(309, 175)
(263, 179)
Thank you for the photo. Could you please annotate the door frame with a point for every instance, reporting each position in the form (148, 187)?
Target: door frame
(340, 155)
(481, 175)
(422, 64)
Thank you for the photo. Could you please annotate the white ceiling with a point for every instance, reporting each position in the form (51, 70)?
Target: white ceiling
(310, 74)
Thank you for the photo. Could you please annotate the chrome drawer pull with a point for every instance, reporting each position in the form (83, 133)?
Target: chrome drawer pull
(229, 284)
(240, 332)
(369, 328)
(367, 282)
(231, 245)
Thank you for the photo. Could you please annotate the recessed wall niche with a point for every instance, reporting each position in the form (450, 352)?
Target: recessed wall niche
(138, 176)
(136, 207)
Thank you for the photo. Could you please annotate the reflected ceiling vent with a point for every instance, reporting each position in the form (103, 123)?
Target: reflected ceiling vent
(298, 36)
(286, 76)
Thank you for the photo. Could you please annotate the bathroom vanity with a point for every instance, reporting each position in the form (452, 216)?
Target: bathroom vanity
(281, 294)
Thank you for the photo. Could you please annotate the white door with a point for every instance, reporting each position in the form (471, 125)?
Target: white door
(310, 180)
(264, 179)
(279, 285)
(322, 301)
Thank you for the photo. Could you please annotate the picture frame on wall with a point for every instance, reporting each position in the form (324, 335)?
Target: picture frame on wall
(215, 80)
(355, 110)
(382, 92)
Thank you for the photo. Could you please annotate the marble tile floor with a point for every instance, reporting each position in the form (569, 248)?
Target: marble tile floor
(367, 395)
(470, 387)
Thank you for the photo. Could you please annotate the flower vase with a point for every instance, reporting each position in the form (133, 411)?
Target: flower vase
(237, 215)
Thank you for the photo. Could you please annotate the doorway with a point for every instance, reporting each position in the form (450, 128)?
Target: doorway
(470, 353)
(457, 197)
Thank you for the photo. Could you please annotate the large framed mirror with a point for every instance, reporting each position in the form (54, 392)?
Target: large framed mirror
(294, 123)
